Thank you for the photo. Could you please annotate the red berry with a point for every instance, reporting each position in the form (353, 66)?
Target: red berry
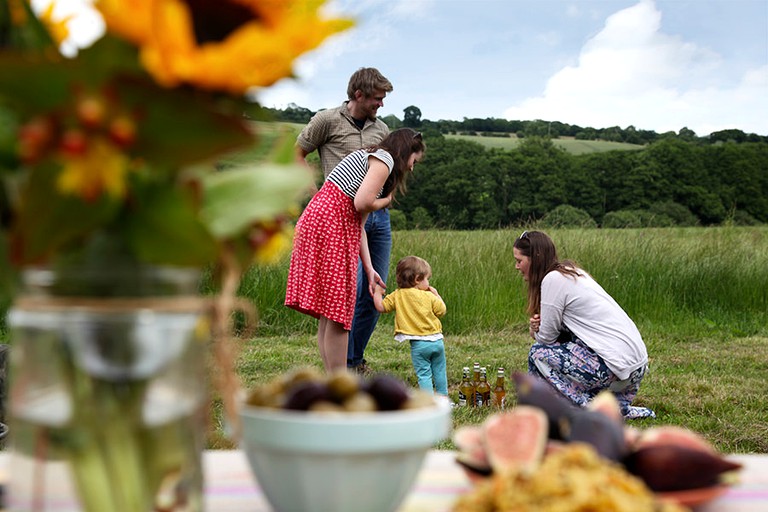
(73, 142)
(122, 131)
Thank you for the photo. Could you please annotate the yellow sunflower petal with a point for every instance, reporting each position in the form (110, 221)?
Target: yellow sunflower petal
(257, 52)
(57, 28)
(129, 19)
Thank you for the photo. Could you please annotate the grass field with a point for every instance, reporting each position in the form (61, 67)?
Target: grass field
(698, 295)
(572, 146)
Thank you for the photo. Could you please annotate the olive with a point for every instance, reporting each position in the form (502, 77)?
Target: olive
(301, 396)
(389, 392)
(342, 385)
(360, 402)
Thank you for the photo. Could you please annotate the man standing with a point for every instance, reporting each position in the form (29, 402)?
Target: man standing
(335, 133)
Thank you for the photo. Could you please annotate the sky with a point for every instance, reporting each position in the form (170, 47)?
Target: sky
(658, 65)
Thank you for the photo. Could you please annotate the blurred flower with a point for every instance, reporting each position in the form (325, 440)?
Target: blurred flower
(124, 140)
(101, 168)
(57, 27)
(119, 157)
(270, 240)
(219, 45)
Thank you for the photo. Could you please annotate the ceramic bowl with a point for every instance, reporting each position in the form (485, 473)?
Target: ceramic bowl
(308, 461)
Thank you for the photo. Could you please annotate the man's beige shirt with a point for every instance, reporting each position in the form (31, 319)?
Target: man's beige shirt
(334, 135)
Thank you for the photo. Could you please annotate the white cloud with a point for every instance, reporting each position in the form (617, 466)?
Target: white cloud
(632, 73)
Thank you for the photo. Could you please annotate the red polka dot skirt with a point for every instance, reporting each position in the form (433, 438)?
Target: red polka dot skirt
(322, 279)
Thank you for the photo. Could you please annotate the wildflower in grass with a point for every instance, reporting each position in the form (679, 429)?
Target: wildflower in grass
(224, 45)
(270, 240)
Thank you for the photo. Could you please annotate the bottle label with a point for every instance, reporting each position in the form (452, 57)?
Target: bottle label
(462, 399)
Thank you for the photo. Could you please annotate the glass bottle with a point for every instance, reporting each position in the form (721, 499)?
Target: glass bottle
(466, 389)
(483, 388)
(499, 392)
(476, 401)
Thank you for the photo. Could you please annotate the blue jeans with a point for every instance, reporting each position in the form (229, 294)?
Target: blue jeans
(428, 359)
(379, 235)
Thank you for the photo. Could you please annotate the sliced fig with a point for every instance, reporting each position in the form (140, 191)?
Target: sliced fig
(532, 390)
(675, 435)
(605, 403)
(471, 446)
(515, 438)
(596, 429)
(475, 472)
(668, 467)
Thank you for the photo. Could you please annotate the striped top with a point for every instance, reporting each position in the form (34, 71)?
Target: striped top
(351, 171)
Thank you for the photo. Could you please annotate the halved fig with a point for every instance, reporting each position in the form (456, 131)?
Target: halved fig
(515, 438)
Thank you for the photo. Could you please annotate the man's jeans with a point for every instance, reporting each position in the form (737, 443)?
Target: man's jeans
(379, 234)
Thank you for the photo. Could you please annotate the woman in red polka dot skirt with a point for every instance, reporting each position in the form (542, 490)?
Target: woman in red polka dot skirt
(329, 237)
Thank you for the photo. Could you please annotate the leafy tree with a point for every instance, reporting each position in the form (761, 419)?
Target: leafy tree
(679, 215)
(392, 121)
(412, 117)
(421, 219)
(397, 219)
(567, 216)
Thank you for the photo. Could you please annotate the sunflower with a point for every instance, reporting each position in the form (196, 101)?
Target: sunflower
(228, 45)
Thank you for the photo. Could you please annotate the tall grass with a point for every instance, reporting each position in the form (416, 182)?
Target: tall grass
(684, 281)
(698, 296)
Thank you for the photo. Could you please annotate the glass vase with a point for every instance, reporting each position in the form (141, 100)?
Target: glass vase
(107, 399)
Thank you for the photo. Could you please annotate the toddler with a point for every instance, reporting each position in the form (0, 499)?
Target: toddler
(418, 308)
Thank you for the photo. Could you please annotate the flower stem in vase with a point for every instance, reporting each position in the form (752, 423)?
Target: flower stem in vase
(107, 412)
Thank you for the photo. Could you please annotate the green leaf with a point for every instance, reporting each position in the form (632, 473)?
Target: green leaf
(234, 199)
(49, 221)
(179, 127)
(32, 35)
(164, 228)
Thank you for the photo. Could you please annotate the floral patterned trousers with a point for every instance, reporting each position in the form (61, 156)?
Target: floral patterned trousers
(577, 372)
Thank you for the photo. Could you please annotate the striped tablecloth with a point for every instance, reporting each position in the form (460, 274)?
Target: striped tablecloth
(230, 486)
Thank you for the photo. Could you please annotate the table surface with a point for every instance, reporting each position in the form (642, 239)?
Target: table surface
(230, 486)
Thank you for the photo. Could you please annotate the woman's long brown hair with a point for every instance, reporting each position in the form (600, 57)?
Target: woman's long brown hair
(401, 144)
(542, 252)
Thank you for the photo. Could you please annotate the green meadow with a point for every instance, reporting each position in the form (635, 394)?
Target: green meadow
(569, 144)
(698, 295)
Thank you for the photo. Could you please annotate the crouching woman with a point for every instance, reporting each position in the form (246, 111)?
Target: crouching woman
(584, 342)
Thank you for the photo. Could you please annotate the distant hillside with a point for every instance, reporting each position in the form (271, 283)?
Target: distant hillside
(571, 145)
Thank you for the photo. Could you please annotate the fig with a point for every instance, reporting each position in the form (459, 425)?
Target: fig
(605, 403)
(515, 438)
(469, 442)
(602, 432)
(303, 395)
(474, 471)
(668, 467)
(532, 390)
(671, 434)
(389, 392)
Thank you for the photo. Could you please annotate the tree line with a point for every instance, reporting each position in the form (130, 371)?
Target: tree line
(461, 184)
(494, 127)
(670, 181)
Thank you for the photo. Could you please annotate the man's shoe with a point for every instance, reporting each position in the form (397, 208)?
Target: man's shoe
(363, 369)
